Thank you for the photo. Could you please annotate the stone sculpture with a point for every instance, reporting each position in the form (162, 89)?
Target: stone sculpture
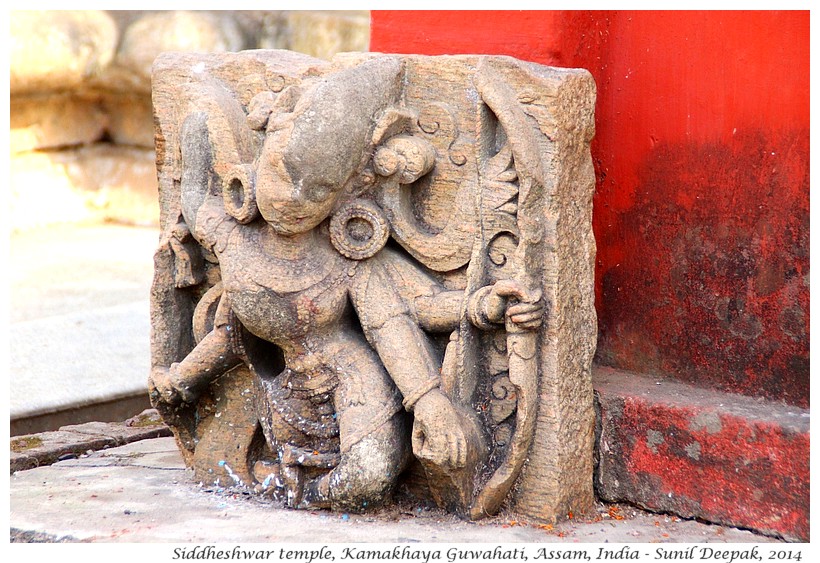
(373, 264)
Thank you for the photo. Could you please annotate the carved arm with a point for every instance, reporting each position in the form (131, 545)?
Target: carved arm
(439, 312)
(486, 308)
(407, 355)
(215, 354)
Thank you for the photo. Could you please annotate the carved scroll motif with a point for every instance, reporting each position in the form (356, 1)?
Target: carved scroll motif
(448, 248)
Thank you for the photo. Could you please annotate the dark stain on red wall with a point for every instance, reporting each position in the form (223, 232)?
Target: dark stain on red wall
(701, 211)
(702, 201)
(714, 288)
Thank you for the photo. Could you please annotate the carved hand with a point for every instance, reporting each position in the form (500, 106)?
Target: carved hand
(437, 433)
(524, 308)
(167, 382)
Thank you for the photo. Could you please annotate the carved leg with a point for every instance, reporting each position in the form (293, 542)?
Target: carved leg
(303, 492)
(362, 478)
(374, 432)
(368, 471)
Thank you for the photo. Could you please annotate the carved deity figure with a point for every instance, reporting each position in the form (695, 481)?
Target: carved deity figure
(349, 276)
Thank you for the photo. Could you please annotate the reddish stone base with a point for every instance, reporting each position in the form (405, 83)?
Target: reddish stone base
(698, 453)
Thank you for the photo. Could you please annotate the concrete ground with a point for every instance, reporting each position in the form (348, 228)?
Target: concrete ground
(79, 326)
(142, 492)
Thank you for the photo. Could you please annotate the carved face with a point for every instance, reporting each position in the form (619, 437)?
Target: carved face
(290, 202)
(314, 150)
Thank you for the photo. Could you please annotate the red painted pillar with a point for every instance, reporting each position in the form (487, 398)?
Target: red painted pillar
(702, 157)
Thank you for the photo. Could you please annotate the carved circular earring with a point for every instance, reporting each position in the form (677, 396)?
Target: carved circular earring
(239, 193)
(359, 229)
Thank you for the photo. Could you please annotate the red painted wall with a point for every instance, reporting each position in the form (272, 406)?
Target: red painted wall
(702, 159)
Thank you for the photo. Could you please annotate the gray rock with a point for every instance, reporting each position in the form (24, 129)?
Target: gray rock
(98, 181)
(55, 120)
(325, 34)
(199, 32)
(141, 493)
(53, 50)
(129, 119)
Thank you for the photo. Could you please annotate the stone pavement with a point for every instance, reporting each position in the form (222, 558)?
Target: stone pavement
(79, 333)
(141, 492)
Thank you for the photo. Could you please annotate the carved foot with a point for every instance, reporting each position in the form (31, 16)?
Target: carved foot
(268, 480)
(317, 493)
(299, 492)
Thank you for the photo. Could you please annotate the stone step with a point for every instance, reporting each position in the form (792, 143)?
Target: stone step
(45, 448)
(699, 453)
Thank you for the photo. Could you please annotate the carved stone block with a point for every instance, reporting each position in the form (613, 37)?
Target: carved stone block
(372, 259)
